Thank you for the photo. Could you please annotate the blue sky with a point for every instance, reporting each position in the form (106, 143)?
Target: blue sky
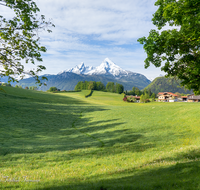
(91, 30)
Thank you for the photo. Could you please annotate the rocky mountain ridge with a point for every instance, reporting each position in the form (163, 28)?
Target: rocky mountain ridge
(107, 67)
(106, 72)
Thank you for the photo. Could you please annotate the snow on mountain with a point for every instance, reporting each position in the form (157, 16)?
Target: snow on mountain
(18, 77)
(79, 69)
(106, 67)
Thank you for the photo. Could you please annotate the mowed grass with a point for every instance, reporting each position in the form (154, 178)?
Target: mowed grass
(67, 141)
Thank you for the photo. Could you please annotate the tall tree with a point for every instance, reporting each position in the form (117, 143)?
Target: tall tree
(177, 48)
(153, 96)
(110, 87)
(100, 86)
(119, 88)
(19, 40)
(91, 85)
(137, 91)
(133, 91)
(78, 86)
(144, 98)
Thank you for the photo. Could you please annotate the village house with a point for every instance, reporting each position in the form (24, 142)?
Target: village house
(184, 98)
(193, 98)
(167, 97)
(137, 98)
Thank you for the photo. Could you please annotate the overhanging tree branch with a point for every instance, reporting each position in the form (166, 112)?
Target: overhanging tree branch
(164, 47)
(19, 38)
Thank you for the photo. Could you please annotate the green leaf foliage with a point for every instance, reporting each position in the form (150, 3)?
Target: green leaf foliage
(176, 49)
(144, 98)
(19, 39)
(92, 85)
(89, 85)
(112, 87)
(119, 88)
(53, 89)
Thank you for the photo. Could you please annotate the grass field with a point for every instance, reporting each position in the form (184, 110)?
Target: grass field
(67, 141)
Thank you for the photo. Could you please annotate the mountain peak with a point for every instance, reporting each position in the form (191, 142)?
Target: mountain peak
(107, 71)
(107, 67)
(82, 65)
(107, 63)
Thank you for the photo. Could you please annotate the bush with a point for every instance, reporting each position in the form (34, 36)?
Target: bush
(125, 99)
(52, 89)
(5, 84)
(144, 98)
(131, 99)
(90, 94)
(33, 88)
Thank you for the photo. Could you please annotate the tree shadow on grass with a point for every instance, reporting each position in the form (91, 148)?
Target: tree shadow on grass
(179, 176)
(41, 128)
(190, 156)
(34, 125)
(35, 96)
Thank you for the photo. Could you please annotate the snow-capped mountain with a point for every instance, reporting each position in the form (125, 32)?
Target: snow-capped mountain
(79, 69)
(107, 67)
(106, 72)
(18, 77)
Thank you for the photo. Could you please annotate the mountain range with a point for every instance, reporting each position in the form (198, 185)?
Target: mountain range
(107, 67)
(106, 72)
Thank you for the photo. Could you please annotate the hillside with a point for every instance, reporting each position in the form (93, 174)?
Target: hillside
(66, 141)
(163, 84)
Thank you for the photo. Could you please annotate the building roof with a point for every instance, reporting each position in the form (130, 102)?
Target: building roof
(136, 97)
(193, 97)
(183, 96)
(167, 93)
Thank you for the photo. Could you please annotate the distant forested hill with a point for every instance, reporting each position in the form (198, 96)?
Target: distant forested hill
(162, 84)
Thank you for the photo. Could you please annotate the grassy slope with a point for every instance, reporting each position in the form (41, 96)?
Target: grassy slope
(67, 141)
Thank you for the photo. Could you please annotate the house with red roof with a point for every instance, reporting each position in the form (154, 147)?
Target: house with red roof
(167, 97)
(184, 98)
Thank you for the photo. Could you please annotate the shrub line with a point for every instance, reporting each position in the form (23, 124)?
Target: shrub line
(90, 94)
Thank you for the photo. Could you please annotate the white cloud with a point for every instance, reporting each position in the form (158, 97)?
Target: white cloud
(109, 20)
(91, 30)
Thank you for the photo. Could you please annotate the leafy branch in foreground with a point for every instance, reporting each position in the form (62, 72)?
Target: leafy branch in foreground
(178, 49)
(19, 40)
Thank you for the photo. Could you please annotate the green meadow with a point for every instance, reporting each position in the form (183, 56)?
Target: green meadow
(66, 141)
